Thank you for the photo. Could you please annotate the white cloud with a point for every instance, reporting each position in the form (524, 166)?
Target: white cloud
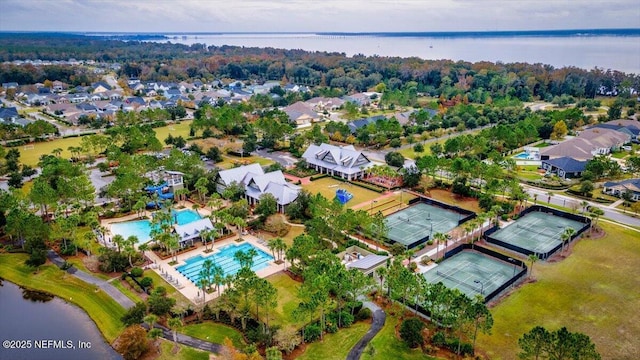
(315, 15)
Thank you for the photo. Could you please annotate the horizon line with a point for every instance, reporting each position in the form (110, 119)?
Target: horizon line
(576, 31)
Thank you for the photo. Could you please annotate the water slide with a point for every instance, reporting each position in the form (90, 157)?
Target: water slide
(158, 190)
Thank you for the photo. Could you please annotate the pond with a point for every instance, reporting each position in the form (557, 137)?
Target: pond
(52, 328)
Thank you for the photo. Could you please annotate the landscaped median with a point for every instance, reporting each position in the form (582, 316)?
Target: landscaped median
(100, 307)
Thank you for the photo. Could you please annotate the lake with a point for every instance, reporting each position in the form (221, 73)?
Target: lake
(44, 318)
(616, 52)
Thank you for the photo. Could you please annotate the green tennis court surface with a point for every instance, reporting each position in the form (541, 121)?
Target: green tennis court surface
(537, 231)
(413, 225)
(472, 273)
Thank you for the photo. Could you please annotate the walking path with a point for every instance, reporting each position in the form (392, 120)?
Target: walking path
(188, 340)
(119, 297)
(379, 318)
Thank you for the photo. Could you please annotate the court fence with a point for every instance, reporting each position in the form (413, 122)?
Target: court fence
(527, 252)
(466, 214)
(495, 254)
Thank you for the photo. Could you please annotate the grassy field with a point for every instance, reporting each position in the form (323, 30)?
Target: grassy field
(328, 186)
(287, 299)
(183, 353)
(593, 291)
(103, 310)
(336, 346)
(387, 346)
(177, 129)
(214, 332)
(30, 156)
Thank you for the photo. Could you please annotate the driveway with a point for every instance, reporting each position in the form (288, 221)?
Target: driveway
(283, 158)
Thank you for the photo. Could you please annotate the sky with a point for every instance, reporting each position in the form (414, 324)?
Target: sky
(314, 15)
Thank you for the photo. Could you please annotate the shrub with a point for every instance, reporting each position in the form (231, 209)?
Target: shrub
(136, 272)
(439, 339)
(312, 333)
(346, 319)
(411, 332)
(146, 282)
(363, 314)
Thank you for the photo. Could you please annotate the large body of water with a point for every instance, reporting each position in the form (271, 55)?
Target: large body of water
(605, 50)
(38, 321)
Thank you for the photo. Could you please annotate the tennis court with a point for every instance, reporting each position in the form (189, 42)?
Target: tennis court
(536, 232)
(472, 273)
(415, 224)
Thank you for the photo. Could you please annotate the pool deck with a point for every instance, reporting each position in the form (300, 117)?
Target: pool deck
(190, 290)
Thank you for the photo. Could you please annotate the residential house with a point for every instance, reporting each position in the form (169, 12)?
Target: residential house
(9, 114)
(320, 104)
(100, 87)
(301, 114)
(617, 188)
(10, 85)
(589, 143)
(360, 99)
(565, 167)
(345, 162)
(258, 183)
(627, 126)
(360, 123)
(58, 86)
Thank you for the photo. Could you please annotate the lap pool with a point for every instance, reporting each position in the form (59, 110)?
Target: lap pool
(223, 258)
(142, 228)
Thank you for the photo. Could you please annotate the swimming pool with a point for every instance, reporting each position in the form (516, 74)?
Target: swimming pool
(142, 228)
(523, 155)
(224, 258)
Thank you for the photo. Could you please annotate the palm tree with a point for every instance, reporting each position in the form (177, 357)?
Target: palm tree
(175, 324)
(119, 241)
(439, 238)
(271, 244)
(195, 208)
(154, 334)
(535, 199)
(130, 247)
(57, 152)
(585, 205)
(549, 195)
(566, 236)
(245, 258)
(206, 235)
(203, 284)
(532, 260)
(217, 273)
(150, 320)
(240, 223)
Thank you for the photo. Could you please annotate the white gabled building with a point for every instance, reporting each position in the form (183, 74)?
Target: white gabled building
(256, 184)
(345, 162)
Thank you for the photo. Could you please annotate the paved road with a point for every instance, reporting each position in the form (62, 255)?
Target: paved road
(379, 318)
(283, 158)
(119, 297)
(566, 201)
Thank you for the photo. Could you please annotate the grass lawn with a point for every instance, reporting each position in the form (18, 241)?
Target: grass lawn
(229, 161)
(287, 300)
(387, 346)
(181, 300)
(619, 155)
(336, 346)
(594, 291)
(177, 129)
(102, 309)
(184, 352)
(214, 332)
(328, 186)
(127, 291)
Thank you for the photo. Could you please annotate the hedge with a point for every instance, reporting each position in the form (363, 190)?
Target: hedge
(319, 176)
